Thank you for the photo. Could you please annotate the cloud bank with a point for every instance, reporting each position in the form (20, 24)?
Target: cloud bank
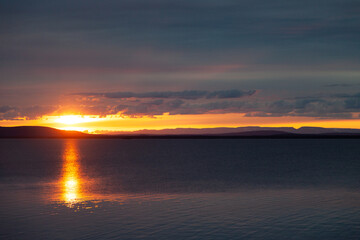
(336, 106)
(281, 48)
(190, 94)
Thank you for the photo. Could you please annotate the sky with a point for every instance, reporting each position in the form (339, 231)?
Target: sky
(117, 65)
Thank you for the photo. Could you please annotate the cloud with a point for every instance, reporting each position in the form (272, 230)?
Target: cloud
(183, 95)
(4, 109)
(230, 94)
(188, 94)
(353, 103)
(337, 85)
(312, 107)
(165, 35)
(307, 107)
(7, 112)
(30, 112)
(339, 106)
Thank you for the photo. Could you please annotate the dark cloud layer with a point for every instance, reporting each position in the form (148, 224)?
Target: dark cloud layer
(163, 35)
(190, 94)
(342, 106)
(5, 109)
(339, 106)
(154, 49)
(28, 112)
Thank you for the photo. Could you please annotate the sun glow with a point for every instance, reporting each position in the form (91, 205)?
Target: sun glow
(75, 119)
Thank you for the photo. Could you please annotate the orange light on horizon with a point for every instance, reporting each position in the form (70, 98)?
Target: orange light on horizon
(118, 122)
(75, 119)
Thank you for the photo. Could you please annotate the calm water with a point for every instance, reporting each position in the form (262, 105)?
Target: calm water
(179, 189)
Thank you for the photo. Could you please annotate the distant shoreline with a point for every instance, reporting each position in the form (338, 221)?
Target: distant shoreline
(36, 132)
(302, 136)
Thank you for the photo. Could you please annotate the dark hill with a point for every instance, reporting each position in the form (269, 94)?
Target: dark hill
(264, 133)
(38, 132)
(46, 132)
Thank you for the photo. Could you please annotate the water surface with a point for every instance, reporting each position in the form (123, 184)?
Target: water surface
(180, 189)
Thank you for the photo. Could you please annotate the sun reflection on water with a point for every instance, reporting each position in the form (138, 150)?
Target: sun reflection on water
(81, 193)
(71, 178)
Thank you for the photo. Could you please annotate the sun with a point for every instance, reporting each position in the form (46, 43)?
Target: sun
(72, 122)
(73, 119)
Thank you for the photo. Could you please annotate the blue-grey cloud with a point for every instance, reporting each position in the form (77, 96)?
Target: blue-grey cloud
(353, 102)
(4, 109)
(125, 34)
(326, 107)
(337, 85)
(342, 106)
(189, 94)
(28, 112)
(8, 112)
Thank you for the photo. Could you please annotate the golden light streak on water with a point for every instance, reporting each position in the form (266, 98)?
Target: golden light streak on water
(71, 179)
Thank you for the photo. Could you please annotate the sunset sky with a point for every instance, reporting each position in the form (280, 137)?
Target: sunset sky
(117, 65)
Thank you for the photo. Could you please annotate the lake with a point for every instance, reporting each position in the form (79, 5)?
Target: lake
(180, 189)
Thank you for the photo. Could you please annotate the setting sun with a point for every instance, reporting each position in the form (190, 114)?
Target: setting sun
(74, 119)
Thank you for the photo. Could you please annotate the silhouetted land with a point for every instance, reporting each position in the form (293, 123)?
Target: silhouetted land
(46, 132)
(38, 132)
